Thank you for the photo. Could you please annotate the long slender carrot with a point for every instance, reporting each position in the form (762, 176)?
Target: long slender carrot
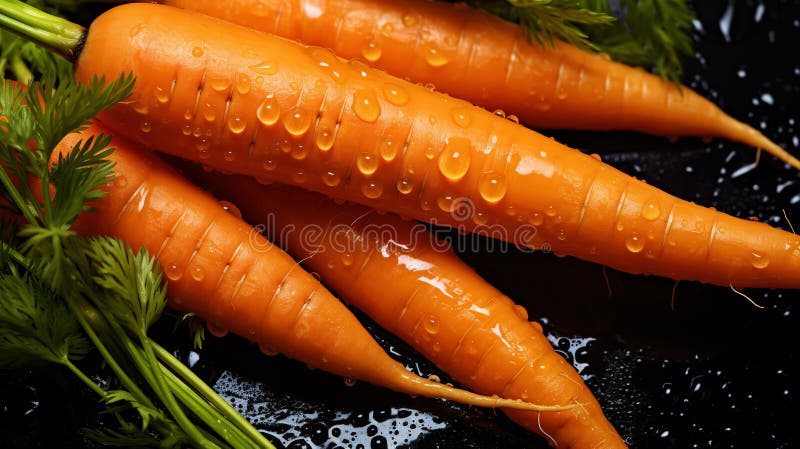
(247, 102)
(235, 279)
(480, 58)
(422, 292)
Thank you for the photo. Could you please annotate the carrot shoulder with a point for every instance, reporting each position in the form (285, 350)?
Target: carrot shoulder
(473, 55)
(246, 102)
(229, 275)
(422, 292)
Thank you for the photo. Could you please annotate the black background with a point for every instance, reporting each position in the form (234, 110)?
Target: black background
(698, 368)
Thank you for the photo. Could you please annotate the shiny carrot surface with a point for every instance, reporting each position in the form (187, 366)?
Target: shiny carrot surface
(246, 102)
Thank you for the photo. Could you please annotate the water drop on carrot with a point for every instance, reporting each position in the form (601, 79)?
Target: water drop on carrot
(634, 243)
(454, 160)
(236, 124)
(372, 189)
(173, 272)
(371, 52)
(265, 67)
(366, 106)
(651, 211)
(404, 186)
(759, 261)
(395, 94)
(367, 163)
(331, 178)
(492, 186)
(230, 208)
(197, 273)
(269, 111)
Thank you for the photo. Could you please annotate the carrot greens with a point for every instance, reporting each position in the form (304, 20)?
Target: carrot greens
(62, 295)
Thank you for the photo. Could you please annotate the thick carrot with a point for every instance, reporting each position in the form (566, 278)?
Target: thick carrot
(235, 279)
(250, 103)
(247, 102)
(473, 55)
(422, 292)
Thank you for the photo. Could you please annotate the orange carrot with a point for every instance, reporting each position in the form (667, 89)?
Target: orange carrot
(247, 102)
(235, 279)
(423, 293)
(473, 55)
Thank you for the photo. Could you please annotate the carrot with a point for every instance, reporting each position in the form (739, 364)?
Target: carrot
(424, 294)
(246, 102)
(473, 55)
(235, 279)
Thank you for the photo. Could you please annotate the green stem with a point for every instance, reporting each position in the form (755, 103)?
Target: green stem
(47, 30)
(16, 197)
(21, 71)
(89, 382)
(211, 396)
(209, 415)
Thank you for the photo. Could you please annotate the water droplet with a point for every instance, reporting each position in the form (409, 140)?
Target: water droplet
(409, 20)
(454, 160)
(550, 211)
(236, 124)
(230, 208)
(202, 148)
(395, 94)
(229, 155)
(536, 219)
(651, 211)
(299, 152)
(198, 273)
(759, 261)
(324, 138)
(216, 330)
(492, 186)
(596, 156)
(430, 152)
(366, 106)
(404, 186)
(461, 116)
(500, 113)
(268, 112)
(173, 272)
(445, 203)
(425, 205)
(209, 113)
(267, 349)
(145, 127)
(562, 235)
(347, 259)
(265, 67)
(197, 52)
(140, 107)
(434, 57)
(389, 149)
(186, 129)
(371, 51)
(331, 178)
(513, 118)
(299, 177)
(270, 164)
(219, 84)
(188, 114)
(367, 163)
(634, 243)
(162, 94)
(480, 218)
(431, 325)
(521, 312)
(297, 122)
(387, 28)
(372, 189)
(349, 381)
(243, 84)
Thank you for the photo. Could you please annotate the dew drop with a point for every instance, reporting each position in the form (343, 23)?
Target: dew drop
(372, 189)
(173, 272)
(404, 186)
(219, 85)
(445, 203)
(268, 112)
(562, 235)
(243, 84)
(461, 116)
(758, 260)
(431, 325)
(162, 94)
(186, 129)
(366, 106)
(434, 57)
(550, 211)
(347, 259)
(480, 218)
(454, 160)
(145, 127)
(324, 138)
(349, 381)
(395, 94)
(536, 219)
(197, 272)
(492, 186)
(299, 177)
(265, 67)
(331, 178)
(513, 118)
(209, 113)
(521, 312)
(367, 163)
(596, 156)
(388, 150)
(267, 349)
(651, 211)
(229, 155)
(140, 107)
(188, 114)
(270, 165)
(197, 52)
(500, 113)
(236, 124)
(202, 148)
(297, 122)
(634, 244)
(371, 51)
(299, 152)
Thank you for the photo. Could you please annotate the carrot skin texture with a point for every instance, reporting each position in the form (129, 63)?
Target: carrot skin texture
(422, 292)
(483, 59)
(218, 267)
(246, 102)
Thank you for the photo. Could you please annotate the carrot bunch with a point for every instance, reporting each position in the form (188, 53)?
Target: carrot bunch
(241, 101)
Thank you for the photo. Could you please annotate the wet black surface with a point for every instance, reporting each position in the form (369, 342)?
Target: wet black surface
(674, 367)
